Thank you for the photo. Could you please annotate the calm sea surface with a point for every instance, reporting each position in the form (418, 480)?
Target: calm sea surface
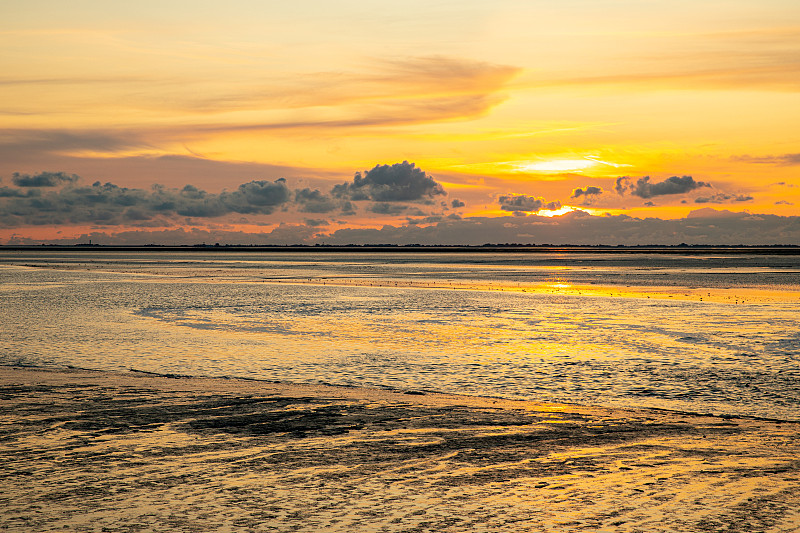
(704, 333)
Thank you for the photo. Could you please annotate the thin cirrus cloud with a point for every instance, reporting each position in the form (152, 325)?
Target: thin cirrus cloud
(766, 59)
(409, 88)
(783, 77)
(440, 74)
(387, 83)
(16, 141)
(387, 112)
(411, 91)
(780, 160)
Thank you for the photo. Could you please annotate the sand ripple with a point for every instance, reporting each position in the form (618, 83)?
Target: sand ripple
(90, 451)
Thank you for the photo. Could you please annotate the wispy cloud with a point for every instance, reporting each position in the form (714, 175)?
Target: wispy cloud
(386, 81)
(768, 59)
(386, 112)
(390, 93)
(14, 142)
(781, 160)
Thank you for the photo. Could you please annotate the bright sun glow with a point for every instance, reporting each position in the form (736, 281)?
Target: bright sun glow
(558, 165)
(243, 123)
(566, 165)
(563, 210)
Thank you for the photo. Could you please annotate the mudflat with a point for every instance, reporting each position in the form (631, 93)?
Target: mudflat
(101, 451)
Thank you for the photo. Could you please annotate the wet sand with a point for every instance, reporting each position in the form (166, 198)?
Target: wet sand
(99, 451)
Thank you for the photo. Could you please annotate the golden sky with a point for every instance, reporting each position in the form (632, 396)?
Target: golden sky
(647, 109)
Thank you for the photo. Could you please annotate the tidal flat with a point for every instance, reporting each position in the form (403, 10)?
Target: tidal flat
(716, 332)
(116, 451)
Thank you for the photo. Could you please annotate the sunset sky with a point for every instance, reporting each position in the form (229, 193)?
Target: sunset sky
(630, 122)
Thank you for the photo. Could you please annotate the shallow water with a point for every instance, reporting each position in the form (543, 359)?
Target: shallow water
(604, 329)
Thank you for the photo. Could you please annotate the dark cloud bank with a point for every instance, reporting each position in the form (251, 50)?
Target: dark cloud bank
(401, 182)
(644, 188)
(722, 198)
(56, 198)
(401, 189)
(109, 204)
(704, 226)
(586, 192)
(44, 179)
(521, 204)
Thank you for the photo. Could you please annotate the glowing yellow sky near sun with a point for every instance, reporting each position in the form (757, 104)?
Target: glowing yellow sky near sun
(535, 97)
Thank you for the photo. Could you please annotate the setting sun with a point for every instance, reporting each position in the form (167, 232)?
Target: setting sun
(563, 210)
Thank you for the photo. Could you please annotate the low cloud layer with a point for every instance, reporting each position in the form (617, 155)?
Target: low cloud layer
(723, 198)
(43, 179)
(703, 226)
(644, 188)
(400, 182)
(522, 203)
(57, 198)
(587, 191)
(8, 192)
(314, 201)
(110, 204)
(400, 190)
(386, 208)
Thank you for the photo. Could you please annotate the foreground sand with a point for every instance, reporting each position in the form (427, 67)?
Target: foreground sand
(95, 451)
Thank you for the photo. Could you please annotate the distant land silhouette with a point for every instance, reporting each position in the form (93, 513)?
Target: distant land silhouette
(419, 248)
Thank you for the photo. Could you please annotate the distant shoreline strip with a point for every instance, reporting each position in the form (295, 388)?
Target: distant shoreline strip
(416, 249)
